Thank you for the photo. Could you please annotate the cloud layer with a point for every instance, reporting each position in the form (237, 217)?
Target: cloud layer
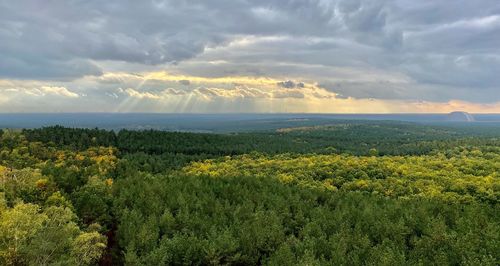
(123, 55)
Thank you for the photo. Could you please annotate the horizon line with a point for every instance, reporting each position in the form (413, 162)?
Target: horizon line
(240, 113)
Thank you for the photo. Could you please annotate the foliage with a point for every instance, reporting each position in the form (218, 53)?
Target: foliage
(258, 220)
(32, 236)
(87, 248)
(346, 193)
(460, 175)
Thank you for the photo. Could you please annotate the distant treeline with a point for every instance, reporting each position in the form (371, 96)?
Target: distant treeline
(357, 138)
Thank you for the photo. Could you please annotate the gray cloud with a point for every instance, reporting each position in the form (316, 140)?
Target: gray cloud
(290, 84)
(474, 71)
(403, 91)
(404, 49)
(36, 68)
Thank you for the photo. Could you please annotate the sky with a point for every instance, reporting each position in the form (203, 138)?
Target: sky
(258, 56)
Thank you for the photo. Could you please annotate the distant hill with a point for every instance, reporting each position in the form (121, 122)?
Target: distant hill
(460, 117)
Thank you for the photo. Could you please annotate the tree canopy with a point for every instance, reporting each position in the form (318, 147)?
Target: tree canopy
(349, 193)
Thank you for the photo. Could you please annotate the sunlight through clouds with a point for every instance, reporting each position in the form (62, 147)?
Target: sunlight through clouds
(250, 56)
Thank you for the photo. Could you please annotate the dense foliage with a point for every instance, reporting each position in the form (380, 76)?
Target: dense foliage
(255, 220)
(349, 193)
(354, 137)
(459, 175)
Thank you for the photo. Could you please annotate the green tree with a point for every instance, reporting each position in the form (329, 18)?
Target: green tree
(87, 248)
(17, 227)
(31, 236)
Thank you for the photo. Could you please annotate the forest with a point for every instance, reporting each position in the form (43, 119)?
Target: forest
(346, 193)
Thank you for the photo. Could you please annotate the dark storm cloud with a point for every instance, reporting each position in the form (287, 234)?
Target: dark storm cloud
(290, 84)
(444, 49)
